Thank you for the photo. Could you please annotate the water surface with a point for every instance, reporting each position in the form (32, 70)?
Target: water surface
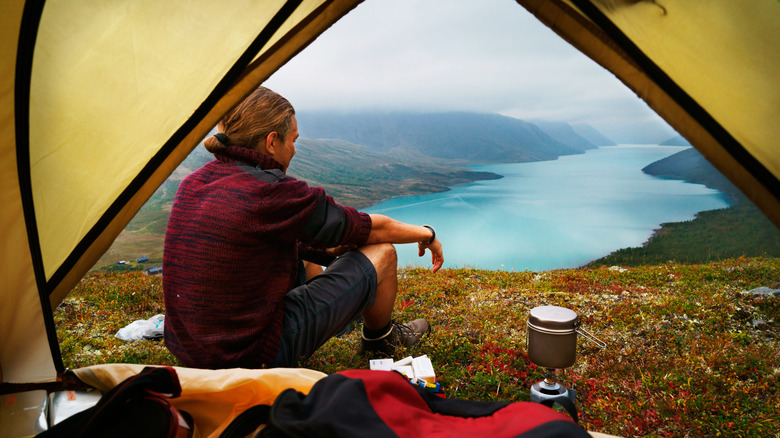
(552, 214)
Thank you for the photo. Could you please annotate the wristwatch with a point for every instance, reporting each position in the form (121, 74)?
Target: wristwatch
(433, 235)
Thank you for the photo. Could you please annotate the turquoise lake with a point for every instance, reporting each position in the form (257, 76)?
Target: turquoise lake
(552, 214)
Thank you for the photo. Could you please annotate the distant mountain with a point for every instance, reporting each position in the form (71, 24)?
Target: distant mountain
(638, 131)
(676, 141)
(564, 133)
(691, 165)
(591, 134)
(474, 138)
(359, 177)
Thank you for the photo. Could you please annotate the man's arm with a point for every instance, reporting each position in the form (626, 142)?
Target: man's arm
(387, 230)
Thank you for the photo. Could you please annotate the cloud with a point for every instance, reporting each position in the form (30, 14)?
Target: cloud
(470, 55)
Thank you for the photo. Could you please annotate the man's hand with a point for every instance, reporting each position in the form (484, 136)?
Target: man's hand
(387, 230)
(337, 251)
(437, 254)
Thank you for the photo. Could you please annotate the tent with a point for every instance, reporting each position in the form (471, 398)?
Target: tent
(101, 101)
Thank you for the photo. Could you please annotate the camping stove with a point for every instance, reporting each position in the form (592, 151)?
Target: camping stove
(550, 389)
(552, 344)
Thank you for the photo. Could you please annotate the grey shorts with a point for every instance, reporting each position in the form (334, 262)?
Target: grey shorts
(320, 308)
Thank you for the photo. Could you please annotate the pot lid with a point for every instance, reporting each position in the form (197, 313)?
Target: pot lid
(553, 318)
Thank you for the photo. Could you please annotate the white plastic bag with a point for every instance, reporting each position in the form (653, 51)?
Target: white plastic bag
(151, 328)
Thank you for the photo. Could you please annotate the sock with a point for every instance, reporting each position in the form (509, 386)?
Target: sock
(371, 335)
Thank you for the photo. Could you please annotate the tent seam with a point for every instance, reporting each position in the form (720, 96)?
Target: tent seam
(28, 32)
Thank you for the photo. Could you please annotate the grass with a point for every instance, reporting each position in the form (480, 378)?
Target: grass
(689, 352)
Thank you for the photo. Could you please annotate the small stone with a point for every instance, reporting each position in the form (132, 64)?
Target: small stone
(764, 291)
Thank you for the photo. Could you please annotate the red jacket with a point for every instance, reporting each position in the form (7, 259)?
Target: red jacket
(231, 253)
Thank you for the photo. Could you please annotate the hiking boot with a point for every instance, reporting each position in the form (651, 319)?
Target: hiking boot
(400, 335)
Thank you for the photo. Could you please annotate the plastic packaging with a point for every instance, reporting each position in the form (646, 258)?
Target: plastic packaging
(64, 404)
(138, 330)
(23, 414)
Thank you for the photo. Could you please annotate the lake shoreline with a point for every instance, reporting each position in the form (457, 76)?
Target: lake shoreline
(553, 214)
(663, 229)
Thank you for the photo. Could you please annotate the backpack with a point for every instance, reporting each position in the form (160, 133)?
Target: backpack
(359, 403)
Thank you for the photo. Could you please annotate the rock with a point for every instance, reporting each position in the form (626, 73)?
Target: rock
(764, 291)
(757, 323)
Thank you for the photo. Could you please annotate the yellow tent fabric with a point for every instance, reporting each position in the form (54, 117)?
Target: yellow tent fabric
(710, 69)
(213, 397)
(100, 101)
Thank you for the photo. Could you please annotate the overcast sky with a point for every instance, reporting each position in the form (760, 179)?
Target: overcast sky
(465, 55)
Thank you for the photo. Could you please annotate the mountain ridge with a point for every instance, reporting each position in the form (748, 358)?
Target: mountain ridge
(564, 133)
(690, 165)
(476, 138)
(592, 135)
(678, 140)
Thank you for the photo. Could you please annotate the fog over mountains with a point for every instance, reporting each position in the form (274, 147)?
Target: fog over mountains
(476, 138)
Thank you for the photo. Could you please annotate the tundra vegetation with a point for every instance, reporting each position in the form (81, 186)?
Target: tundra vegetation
(690, 351)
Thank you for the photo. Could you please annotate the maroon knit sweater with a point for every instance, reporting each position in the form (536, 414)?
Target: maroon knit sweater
(231, 253)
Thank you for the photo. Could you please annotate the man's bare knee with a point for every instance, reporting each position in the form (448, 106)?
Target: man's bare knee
(381, 255)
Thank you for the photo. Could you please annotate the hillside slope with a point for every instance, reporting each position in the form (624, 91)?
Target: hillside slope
(592, 135)
(690, 165)
(676, 141)
(565, 133)
(473, 137)
(359, 177)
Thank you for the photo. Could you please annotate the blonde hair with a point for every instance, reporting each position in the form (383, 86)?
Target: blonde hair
(249, 123)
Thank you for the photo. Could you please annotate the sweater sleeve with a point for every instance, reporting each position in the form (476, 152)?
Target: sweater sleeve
(332, 225)
(358, 227)
(307, 214)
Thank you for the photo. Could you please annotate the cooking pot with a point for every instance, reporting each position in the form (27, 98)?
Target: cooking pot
(552, 336)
